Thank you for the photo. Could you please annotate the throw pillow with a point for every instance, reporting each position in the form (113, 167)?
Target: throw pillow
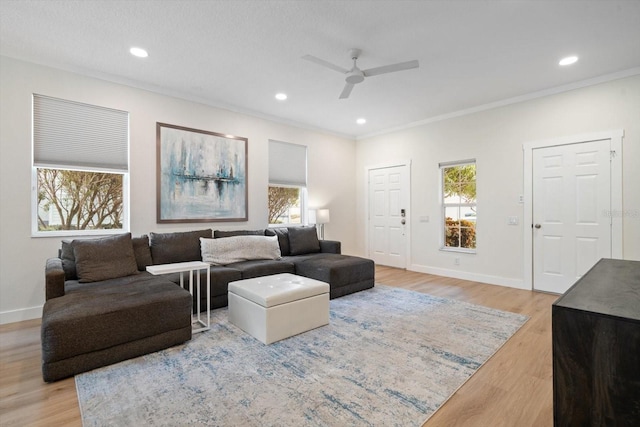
(68, 260)
(239, 248)
(105, 258)
(142, 251)
(167, 248)
(303, 240)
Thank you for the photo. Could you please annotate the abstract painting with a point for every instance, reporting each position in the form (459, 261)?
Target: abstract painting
(201, 175)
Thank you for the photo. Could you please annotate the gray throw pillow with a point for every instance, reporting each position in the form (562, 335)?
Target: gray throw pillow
(68, 260)
(142, 251)
(105, 258)
(303, 240)
(167, 248)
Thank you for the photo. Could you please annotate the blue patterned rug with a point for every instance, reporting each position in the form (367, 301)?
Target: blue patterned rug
(388, 357)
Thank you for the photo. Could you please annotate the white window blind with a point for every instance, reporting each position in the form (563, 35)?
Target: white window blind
(73, 134)
(287, 164)
(458, 163)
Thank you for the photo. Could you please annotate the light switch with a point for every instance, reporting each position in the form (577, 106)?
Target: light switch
(512, 220)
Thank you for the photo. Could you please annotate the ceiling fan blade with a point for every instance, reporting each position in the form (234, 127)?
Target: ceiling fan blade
(325, 64)
(391, 68)
(347, 90)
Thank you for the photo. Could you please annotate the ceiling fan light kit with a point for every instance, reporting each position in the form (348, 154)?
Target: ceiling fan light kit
(355, 75)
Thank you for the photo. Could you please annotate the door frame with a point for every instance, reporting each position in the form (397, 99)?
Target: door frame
(616, 137)
(367, 217)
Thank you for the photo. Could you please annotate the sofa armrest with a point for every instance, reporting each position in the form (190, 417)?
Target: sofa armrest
(330, 247)
(54, 278)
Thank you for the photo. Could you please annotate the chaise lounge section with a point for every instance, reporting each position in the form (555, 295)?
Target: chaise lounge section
(124, 313)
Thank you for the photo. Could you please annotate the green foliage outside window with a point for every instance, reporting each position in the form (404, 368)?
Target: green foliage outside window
(459, 200)
(460, 234)
(460, 181)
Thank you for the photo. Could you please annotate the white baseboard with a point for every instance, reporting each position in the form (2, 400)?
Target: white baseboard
(474, 277)
(20, 315)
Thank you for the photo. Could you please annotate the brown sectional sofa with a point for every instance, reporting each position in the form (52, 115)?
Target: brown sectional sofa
(103, 307)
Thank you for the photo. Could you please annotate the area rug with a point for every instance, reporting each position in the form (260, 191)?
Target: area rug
(388, 357)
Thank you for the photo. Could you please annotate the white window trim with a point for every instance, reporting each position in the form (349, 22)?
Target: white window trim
(441, 167)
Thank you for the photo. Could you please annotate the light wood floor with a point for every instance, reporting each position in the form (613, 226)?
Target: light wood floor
(513, 388)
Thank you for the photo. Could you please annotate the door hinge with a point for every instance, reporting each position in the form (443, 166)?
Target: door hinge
(612, 154)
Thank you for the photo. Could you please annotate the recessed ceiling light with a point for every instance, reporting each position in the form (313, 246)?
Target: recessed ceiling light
(361, 121)
(281, 96)
(568, 60)
(139, 52)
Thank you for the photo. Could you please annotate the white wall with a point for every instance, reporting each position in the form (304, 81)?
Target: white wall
(494, 138)
(22, 258)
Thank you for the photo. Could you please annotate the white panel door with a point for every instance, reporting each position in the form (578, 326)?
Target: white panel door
(571, 205)
(388, 199)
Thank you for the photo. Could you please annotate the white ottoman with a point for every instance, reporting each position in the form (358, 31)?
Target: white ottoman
(272, 308)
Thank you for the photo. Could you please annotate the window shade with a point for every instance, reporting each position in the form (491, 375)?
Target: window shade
(458, 163)
(72, 134)
(287, 164)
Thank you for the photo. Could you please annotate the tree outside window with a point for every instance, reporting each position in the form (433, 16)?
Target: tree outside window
(79, 200)
(459, 204)
(285, 205)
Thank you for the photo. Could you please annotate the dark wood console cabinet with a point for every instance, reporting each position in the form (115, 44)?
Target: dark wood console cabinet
(596, 348)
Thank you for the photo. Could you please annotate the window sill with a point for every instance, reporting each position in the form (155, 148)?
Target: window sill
(78, 233)
(459, 250)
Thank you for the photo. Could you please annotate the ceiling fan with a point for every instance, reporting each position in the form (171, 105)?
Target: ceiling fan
(355, 75)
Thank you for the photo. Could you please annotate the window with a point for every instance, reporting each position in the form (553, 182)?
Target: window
(287, 183)
(459, 205)
(80, 168)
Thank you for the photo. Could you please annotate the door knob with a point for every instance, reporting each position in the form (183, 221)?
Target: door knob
(403, 221)
(537, 226)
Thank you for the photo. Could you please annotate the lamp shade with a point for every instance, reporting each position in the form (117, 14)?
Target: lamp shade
(312, 216)
(322, 216)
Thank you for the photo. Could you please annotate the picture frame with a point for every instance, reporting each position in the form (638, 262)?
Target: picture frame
(201, 175)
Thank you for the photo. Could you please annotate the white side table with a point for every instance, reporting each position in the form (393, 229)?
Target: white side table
(183, 267)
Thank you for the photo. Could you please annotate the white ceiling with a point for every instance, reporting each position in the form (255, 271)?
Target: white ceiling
(239, 54)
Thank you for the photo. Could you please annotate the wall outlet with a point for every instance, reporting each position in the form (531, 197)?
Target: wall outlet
(456, 261)
(521, 199)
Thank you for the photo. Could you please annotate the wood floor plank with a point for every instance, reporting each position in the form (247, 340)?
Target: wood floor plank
(513, 388)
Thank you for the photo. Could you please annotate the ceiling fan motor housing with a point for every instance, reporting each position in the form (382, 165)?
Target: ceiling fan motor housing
(355, 76)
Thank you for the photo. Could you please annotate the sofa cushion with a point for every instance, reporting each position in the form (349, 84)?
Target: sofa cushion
(239, 248)
(142, 251)
(92, 317)
(259, 268)
(283, 238)
(218, 234)
(106, 258)
(303, 240)
(167, 248)
(337, 270)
